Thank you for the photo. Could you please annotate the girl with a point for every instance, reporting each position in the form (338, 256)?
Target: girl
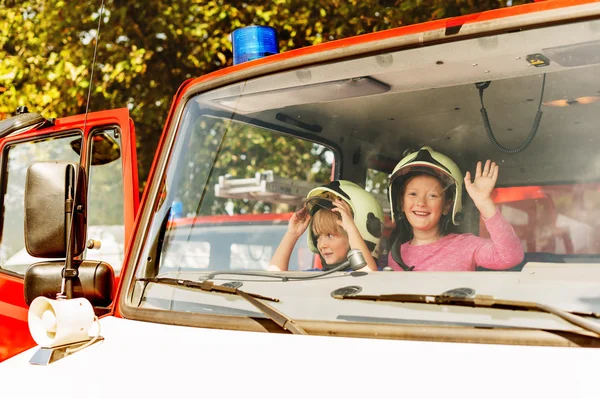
(340, 216)
(425, 197)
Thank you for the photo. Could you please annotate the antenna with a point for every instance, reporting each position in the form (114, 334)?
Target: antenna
(87, 103)
(70, 271)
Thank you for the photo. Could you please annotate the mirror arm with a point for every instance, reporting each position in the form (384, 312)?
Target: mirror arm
(70, 272)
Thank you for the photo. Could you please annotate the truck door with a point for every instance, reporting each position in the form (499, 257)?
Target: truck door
(109, 157)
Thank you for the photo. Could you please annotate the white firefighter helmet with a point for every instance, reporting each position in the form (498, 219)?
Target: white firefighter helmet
(428, 161)
(367, 211)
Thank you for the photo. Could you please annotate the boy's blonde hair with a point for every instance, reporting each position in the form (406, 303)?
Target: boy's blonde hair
(325, 222)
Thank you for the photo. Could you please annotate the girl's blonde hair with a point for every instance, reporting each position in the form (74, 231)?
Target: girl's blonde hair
(325, 222)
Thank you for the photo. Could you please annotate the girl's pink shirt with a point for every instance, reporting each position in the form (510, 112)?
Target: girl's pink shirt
(464, 252)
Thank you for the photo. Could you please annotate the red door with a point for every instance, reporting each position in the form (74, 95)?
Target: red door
(109, 157)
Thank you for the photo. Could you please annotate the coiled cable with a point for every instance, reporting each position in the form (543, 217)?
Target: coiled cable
(488, 126)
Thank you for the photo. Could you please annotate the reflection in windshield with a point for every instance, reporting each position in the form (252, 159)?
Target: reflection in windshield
(106, 220)
(240, 167)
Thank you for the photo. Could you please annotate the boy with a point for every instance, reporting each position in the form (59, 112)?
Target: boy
(340, 216)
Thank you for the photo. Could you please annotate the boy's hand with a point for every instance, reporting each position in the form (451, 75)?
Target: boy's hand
(480, 190)
(345, 212)
(298, 223)
(354, 237)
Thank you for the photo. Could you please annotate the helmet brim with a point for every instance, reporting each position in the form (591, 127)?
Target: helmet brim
(313, 204)
(425, 168)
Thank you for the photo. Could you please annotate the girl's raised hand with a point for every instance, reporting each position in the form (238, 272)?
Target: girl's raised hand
(481, 188)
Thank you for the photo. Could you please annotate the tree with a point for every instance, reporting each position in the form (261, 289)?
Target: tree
(147, 49)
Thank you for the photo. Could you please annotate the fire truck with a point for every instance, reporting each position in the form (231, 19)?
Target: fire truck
(188, 309)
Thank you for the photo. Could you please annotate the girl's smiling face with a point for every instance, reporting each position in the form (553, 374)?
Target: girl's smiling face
(423, 202)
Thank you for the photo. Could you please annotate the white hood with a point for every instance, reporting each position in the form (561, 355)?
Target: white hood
(146, 360)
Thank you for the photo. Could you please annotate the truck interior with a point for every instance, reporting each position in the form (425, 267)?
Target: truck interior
(526, 100)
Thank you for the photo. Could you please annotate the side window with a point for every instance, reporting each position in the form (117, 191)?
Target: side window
(17, 158)
(105, 218)
(254, 178)
(377, 183)
(556, 219)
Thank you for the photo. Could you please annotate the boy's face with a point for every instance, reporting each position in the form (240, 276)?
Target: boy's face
(333, 247)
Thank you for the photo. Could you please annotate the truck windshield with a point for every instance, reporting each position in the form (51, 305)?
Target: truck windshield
(245, 156)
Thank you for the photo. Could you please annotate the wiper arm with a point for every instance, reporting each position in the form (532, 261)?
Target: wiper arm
(278, 317)
(484, 301)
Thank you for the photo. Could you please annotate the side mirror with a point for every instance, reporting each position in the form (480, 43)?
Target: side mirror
(20, 123)
(104, 149)
(94, 281)
(50, 189)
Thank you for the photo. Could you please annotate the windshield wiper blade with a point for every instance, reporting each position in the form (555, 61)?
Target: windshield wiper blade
(202, 285)
(484, 301)
(276, 316)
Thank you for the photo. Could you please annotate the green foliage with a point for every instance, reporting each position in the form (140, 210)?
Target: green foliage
(147, 49)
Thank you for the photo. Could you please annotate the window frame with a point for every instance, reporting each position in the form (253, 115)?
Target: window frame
(4, 174)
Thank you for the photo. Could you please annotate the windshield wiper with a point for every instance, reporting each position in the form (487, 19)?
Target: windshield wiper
(279, 318)
(484, 301)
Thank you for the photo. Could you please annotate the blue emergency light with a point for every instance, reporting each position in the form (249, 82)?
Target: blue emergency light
(253, 42)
